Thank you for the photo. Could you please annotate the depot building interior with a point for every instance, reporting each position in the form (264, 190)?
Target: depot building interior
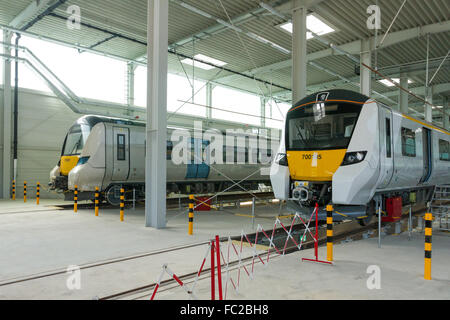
(95, 95)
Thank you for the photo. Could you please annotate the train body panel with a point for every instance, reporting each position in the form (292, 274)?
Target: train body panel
(354, 184)
(113, 155)
(280, 174)
(371, 152)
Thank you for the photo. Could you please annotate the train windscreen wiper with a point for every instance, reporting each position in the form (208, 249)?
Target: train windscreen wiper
(299, 134)
(75, 147)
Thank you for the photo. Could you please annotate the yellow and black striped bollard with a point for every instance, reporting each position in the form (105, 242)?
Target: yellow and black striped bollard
(14, 190)
(329, 232)
(24, 191)
(38, 193)
(191, 215)
(428, 234)
(122, 203)
(75, 199)
(96, 201)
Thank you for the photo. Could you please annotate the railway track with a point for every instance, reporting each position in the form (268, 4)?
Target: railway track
(342, 231)
(11, 281)
(175, 202)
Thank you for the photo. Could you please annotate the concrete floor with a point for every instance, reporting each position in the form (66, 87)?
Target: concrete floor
(36, 240)
(39, 239)
(400, 262)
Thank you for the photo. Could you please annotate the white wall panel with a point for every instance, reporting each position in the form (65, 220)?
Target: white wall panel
(43, 124)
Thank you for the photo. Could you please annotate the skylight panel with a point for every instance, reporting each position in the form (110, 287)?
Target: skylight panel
(202, 65)
(312, 23)
(387, 83)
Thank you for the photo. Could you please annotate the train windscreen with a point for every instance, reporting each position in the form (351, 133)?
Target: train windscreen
(75, 140)
(321, 126)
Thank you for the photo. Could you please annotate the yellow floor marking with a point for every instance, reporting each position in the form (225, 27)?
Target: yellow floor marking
(344, 215)
(243, 215)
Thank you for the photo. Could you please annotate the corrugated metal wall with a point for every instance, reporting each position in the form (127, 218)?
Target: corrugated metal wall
(43, 124)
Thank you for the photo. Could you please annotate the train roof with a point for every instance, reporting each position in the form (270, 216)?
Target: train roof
(353, 96)
(92, 120)
(334, 94)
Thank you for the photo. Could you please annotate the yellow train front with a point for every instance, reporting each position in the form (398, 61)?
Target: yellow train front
(70, 154)
(342, 148)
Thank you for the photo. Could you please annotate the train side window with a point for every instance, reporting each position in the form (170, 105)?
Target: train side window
(388, 138)
(444, 150)
(408, 142)
(169, 150)
(121, 147)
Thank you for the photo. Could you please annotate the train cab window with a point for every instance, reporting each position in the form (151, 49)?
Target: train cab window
(321, 126)
(348, 131)
(408, 142)
(121, 147)
(75, 140)
(388, 138)
(444, 150)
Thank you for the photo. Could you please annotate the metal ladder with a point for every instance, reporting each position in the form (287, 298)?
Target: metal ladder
(440, 206)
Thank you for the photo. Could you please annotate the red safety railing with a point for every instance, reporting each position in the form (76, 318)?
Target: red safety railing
(218, 258)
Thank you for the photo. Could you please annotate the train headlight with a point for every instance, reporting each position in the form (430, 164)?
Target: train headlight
(353, 157)
(82, 160)
(281, 159)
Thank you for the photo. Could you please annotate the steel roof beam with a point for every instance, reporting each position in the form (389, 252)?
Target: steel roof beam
(29, 12)
(437, 89)
(214, 29)
(354, 47)
(46, 12)
(218, 27)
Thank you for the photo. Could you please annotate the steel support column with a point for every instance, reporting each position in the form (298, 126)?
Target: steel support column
(263, 111)
(209, 89)
(446, 113)
(403, 95)
(428, 109)
(7, 128)
(299, 62)
(131, 68)
(156, 131)
(428, 91)
(365, 76)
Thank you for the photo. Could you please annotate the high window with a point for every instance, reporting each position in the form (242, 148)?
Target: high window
(408, 142)
(87, 75)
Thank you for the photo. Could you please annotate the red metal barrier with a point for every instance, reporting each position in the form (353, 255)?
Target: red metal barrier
(316, 241)
(202, 204)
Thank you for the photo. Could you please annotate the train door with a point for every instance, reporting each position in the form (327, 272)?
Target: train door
(121, 154)
(198, 168)
(427, 155)
(386, 147)
(203, 167)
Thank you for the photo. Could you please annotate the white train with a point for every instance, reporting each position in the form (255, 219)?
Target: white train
(342, 148)
(109, 153)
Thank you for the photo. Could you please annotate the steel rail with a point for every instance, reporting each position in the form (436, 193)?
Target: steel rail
(306, 245)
